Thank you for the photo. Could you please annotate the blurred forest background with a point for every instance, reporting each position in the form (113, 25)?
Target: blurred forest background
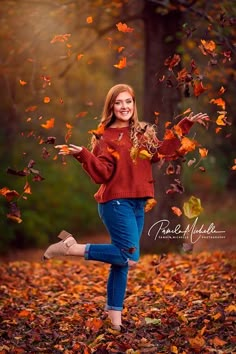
(57, 61)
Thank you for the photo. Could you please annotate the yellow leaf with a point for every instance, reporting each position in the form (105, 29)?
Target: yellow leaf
(144, 154)
(220, 120)
(192, 208)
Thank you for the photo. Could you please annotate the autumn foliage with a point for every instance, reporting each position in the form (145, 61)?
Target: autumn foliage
(174, 304)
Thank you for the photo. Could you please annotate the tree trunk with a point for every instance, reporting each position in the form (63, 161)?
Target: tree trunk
(157, 97)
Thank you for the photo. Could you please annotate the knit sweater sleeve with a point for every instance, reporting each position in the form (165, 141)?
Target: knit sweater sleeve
(169, 148)
(99, 164)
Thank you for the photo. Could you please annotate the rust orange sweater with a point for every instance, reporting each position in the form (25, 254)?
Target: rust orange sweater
(111, 165)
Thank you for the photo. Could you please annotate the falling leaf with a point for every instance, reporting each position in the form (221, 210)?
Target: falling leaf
(207, 47)
(150, 203)
(31, 108)
(176, 211)
(23, 83)
(203, 152)
(198, 88)
(49, 123)
(187, 145)
(172, 61)
(98, 132)
(122, 63)
(221, 90)
(89, 19)
(221, 120)
(122, 27)
(192, 208)
(46, 99)
(64, 148)
(234, 166)
(27, 188)
(219, 102)
(8, 194)
(14, 218)
(81, 114)
(79, 56)
(61, 38)
(120, 49)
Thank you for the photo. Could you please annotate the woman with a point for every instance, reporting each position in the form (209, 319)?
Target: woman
(123, 150)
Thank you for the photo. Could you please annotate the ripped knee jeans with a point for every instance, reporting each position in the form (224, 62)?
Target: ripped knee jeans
(124, 220)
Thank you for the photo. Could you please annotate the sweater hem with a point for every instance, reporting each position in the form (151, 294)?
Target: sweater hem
(122, 195)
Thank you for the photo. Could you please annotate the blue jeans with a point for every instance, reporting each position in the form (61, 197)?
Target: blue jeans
(124, 220)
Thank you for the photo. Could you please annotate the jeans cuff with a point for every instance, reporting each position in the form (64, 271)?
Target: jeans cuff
(86, 252)
(116, 308)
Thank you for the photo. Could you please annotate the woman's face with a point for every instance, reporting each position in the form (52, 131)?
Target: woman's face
(123, 109)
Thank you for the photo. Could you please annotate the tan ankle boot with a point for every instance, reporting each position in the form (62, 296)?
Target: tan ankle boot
(60, 248)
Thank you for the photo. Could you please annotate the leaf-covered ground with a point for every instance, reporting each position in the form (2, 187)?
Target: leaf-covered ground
(174, 304)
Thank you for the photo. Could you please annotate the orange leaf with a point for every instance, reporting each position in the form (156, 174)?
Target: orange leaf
(64, 148)
(176, 211)
(217, 342)
(49, 123)
(79, 56)
(31, 108)
(197, 343)
(218, 102)
(187, 145)
(207, 46)
(14, 218)
(81, 114)
(99, 131)
(172, 61)
(69, 126)
(24, 313)
(8, 194)
(122, 63)
(46, 99)
(122, 27)
(169, 134)
(203, 152)
(89, 19)
(120, 49)
(94, 324)
(218, 130)
(113, 153)
(198, 88)
(234, 169)
(23, 83)
(61, 38)
(151, 202)
(27, 188)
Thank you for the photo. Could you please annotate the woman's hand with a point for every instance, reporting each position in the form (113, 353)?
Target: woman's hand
(69, 149)
(197, 117)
